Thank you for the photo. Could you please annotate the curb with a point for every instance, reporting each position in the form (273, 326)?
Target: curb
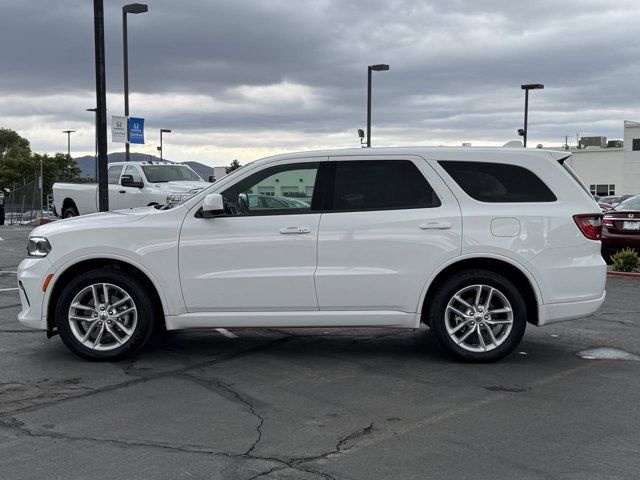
(623, 274)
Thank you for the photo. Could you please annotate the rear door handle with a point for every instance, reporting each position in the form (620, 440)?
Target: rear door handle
(294, 230)
(122, 191)
(435, 226)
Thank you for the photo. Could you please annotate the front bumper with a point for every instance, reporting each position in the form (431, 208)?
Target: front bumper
(31, 275)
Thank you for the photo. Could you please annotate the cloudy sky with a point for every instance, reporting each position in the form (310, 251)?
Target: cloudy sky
(244, 79)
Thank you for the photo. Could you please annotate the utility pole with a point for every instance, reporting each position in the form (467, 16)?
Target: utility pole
(101, 105)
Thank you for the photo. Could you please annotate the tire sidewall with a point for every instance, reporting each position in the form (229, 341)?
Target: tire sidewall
(134, 288)
(69, 212)
(464, 279)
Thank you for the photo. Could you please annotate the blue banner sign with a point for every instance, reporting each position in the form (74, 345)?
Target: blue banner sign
(136, 130)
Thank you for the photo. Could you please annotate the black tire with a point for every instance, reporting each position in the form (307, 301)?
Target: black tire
(438, 308)
(138, 292)
(69, 212)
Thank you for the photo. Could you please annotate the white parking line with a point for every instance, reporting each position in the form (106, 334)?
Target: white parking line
(7, 272)
(8, 289)
(226, 333)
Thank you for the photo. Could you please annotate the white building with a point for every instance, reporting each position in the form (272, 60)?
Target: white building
(611, 170)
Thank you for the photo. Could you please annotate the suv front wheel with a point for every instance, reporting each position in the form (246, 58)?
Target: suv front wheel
(104, 314)
(478, 316)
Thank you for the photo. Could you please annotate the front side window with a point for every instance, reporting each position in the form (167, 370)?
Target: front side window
(134, 172)
(268, 191)
(498, 182)
(113, 175)
(380, 185)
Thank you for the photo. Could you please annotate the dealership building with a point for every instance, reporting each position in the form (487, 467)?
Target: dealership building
(609, 167)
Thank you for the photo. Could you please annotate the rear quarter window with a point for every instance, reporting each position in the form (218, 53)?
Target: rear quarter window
(498, 182)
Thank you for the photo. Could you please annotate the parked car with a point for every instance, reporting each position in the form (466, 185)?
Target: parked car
(271, 201)
(614, 200)
(475, 243)
(131, 184)
(621, 227)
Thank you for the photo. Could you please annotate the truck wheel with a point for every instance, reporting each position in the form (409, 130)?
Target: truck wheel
(478, 316)
(69, 212)
(104, 315)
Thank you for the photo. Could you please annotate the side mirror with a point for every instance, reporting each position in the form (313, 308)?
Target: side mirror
(127, 181)
(212, 179)
(213, 205)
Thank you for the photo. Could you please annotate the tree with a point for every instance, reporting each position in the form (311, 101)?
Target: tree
(234, 166)
(19, 165)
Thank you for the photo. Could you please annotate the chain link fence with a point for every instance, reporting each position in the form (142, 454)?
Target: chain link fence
(23, 205)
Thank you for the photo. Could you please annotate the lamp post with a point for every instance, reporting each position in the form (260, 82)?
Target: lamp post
(526, 88)
(372, 68)
(162, 130)
(134, 8)
(68, 132)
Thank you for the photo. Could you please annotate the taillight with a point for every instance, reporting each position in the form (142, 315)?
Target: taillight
(590, 225)
(608, 221)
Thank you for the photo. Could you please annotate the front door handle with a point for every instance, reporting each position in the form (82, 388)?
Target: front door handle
(435, 226)
(294, 230)
(122, 191)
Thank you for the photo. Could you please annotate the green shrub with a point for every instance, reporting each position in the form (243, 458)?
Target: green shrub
(626, 260)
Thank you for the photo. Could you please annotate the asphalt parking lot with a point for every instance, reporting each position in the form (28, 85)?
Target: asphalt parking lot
(322, 404)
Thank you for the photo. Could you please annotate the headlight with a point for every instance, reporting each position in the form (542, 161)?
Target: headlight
(177, 197)
(38, 247)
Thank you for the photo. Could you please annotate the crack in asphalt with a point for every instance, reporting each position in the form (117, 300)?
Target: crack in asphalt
(217, 384)
(296, 463)
(155, 376)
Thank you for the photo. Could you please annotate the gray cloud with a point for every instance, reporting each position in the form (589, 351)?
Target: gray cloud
(260, 71)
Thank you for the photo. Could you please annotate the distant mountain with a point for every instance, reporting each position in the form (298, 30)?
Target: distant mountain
(87, 164)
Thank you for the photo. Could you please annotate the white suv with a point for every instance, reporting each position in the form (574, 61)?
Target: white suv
(474, 242)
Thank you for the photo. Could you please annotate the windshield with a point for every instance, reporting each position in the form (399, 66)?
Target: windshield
(170, 173)
(630, 204)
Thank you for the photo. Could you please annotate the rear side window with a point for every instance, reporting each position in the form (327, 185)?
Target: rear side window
(498, 182)
(380, 185)
(113, 175)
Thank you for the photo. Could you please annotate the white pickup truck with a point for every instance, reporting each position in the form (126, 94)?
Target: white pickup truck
(131, 184)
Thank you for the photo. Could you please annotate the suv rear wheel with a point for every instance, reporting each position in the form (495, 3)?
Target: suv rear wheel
(478, 316)
(104, 315)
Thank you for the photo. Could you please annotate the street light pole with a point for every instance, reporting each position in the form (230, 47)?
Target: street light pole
(130, 8)
(526, 88)
(371, 68)
(162, 130)
(68, 132)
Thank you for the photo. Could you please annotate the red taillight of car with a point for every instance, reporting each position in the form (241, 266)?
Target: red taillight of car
(607, 221)
(590, 225)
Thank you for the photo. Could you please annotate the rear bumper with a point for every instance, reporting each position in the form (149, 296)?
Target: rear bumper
(611, 240)
(560, 312)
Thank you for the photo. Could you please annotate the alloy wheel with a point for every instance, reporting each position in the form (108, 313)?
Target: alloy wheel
(479, 318)
(102, 316)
